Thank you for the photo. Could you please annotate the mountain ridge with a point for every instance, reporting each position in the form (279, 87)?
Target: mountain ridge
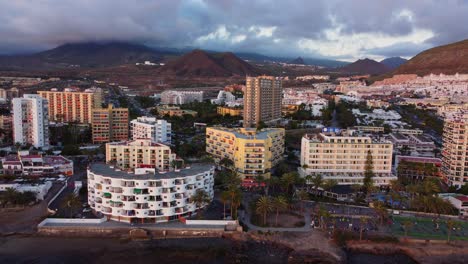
(199, 63)
(447, 59)
(365, 66)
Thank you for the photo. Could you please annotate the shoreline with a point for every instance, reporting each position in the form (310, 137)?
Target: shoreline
(246, 247)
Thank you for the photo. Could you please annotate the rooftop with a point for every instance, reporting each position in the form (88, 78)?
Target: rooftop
(107, 171)
(249, 133)
(137, 142)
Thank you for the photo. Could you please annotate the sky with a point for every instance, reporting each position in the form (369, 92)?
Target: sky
(334, 29)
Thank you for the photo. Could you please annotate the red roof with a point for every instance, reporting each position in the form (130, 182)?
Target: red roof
(462, 198)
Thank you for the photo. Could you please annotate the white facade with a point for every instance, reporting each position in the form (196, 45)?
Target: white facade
(158, 130)
(181, 97)
(343, 157)
(224, 98)
(151, 197)
(40, 190)
(31, 120)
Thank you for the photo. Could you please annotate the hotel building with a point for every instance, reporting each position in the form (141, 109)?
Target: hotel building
(181, 97)
(146, 196)
(253, 152)
(140, 153)
(158, 130)
(455, 151)
(342, 156)
(262, 100)
(232, 111)
(110, 124)
(72, 105)
(31, 120)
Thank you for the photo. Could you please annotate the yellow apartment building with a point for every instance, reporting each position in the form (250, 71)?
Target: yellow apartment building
(253, 152)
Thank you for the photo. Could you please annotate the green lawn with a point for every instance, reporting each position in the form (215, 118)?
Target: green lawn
(424, 228)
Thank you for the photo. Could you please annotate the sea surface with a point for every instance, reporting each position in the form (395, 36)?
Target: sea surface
(52, 250)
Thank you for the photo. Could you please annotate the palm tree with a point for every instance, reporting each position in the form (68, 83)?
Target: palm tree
(233, 192)
(323, 215)
(330, 183)
(396, 186)
(73, 202)
(302, 195)
(200, 198)
(429, 187)
(441, 206)
(407, 225)
(280, 203)
(317, 182)
(450, 225)
(263, 207)
(236, 202)
(289, 179)
(381, 211)
(224, 199)
(362, 223)
(308, 180)
(272, 182)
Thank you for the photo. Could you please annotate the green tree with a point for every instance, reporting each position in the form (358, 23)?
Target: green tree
(200, 198)
(263, 207)
(407, 225)
(451, 225)
(225, 196)
(280, 203)
(289, 179)
(381, 211)
(323, 216)
(362, 223)
(302, 195)
(317, 182)
(368, 182)
(329, 184)
(72, 202)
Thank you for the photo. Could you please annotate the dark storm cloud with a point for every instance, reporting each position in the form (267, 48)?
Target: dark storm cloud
(333, 28)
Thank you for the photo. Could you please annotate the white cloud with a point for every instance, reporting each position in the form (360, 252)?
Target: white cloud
(262, 31)
(238, 38)
(220, 33)
(354, 46)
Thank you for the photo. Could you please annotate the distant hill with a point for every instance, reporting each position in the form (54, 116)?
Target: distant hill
(297, 60)
(393, 62)
(199, 63)
(365, 66)
(259, 58)
(447, 59)
(84, 55)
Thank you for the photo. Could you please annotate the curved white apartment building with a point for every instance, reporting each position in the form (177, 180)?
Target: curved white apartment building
(146, 196)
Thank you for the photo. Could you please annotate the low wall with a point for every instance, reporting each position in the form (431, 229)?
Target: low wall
(71, 221)
(67, 231)
(211, 222)
(62, 231)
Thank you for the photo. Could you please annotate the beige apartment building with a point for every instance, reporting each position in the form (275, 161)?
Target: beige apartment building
(253, 152)
(72, 104)
(342, 156)
(109, 124)
(455, 151)
(262, 100)
(140, 153)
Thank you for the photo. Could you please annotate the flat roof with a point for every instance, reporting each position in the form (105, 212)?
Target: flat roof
(106, 171)
(262, 134)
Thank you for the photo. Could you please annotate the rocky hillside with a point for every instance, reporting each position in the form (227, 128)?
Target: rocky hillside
(365, 66)
(393, 62)
(447, 59)
(199, 63)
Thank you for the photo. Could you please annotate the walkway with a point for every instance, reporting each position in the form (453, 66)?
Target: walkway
(244, 216)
